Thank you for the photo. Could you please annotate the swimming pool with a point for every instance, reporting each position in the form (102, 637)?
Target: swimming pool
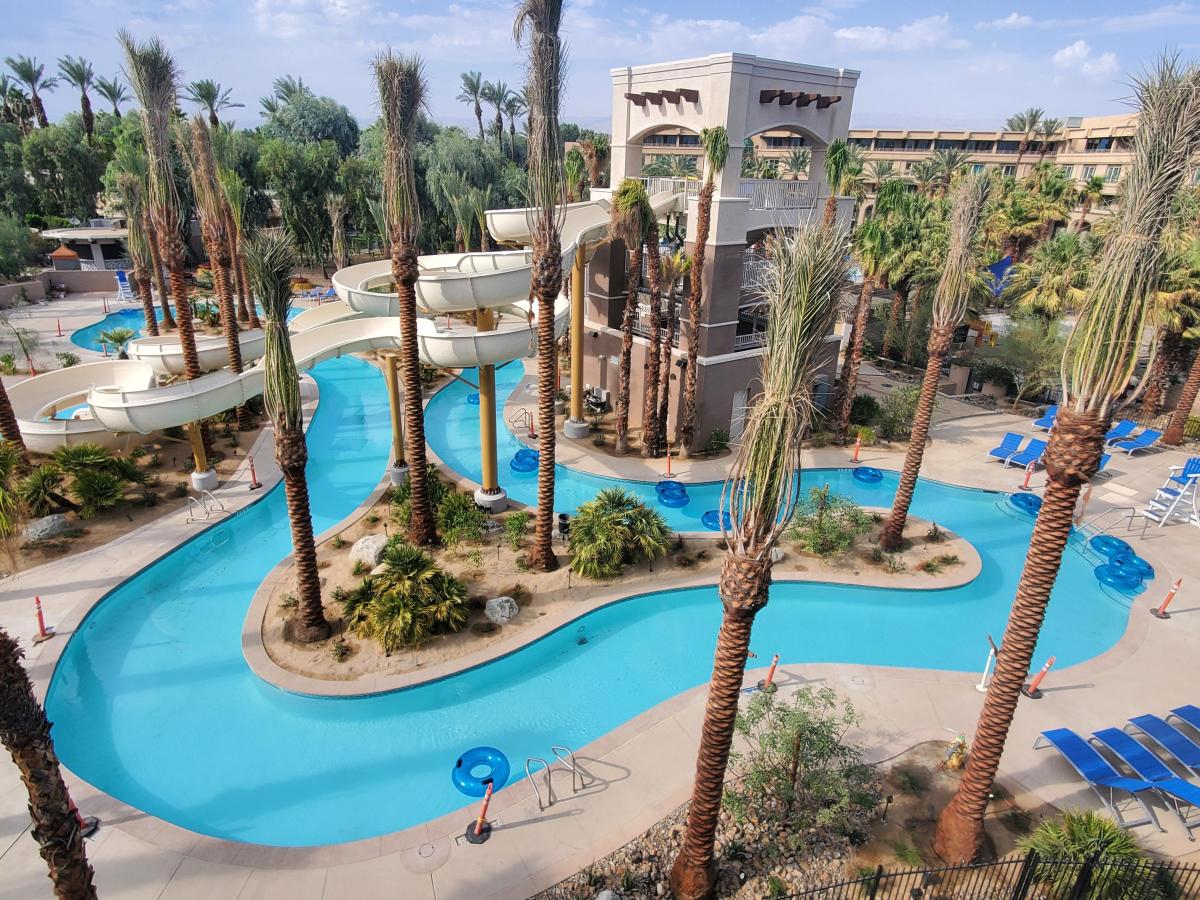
(88, 337)
(153, 702)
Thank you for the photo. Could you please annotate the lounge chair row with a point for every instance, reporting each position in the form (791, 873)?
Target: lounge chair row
(1011, 453)
(318, 294)
(1120, 436)
(1150, 773)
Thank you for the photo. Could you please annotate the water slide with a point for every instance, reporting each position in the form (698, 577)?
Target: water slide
(104, 401)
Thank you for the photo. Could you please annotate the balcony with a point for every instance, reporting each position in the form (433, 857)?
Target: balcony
(769, 193)
(753, 269)
(751, 327)
(656, 184)
(641, 324)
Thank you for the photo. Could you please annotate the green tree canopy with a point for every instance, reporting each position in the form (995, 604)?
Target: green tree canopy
(301, 174)
(310, 120)
(64, 169)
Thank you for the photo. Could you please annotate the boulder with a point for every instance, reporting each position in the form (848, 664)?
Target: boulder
(47, 527)
(501, 610)
(368, 550)
(777, 555)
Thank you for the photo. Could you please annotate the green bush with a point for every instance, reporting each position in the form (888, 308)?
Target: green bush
(864, 410)
(718, 442)
(826, 524)
(41, 491)
(66, 359)
(411, 600)
(459, 518)
(515, 526)
(97, 489)
(438, 490)
(798, 772)
(1080, 836)
(867, 435)
(8, 364)
(614, 530)
(75, 458)
(897, 412)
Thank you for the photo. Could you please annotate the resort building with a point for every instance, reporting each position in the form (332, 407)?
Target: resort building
(663, 108)
(1086, 146)
(97, 246)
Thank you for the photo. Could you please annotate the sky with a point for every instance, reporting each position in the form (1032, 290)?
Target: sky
(962, 65)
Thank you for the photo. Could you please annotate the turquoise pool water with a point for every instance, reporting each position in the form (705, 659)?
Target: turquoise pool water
(88, 337)
(153, 702)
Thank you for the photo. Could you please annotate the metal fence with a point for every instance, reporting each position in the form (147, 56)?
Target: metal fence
(1026, 877)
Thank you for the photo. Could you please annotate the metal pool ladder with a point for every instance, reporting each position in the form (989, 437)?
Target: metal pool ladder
(563, 755)
(205, 508)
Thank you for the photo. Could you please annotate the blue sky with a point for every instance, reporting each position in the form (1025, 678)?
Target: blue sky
(968, 64)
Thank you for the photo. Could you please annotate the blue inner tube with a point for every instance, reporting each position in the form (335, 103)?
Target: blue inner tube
(1108, 546)
(674, 499)
(524, 460)
(473, 399)
(473, 784)
(1131, 562)
(1115, 576)
(669, 486)
(868, 475)
(714, 519)
(1026, 503)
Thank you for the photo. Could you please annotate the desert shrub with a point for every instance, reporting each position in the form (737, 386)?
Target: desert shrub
(1080, 836)
(864, 410)
(438, 490)
(340, 651)
(411, 600)
(867, 435)
(934, 535)
(97, 489)
(718, 442)
(41, 491)
(826, 524)
(897, 412)
(75, 458)
(338, 542)
(459, 518)
(67, 359)
(515, 526)
(798, 771)
(8, 364)
(614, 530)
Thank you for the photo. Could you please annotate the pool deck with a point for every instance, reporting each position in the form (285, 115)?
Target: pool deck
(642, 769)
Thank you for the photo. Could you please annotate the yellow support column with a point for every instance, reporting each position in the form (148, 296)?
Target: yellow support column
(203, 478)
(576, 426)
(490, 494)
(391, 375)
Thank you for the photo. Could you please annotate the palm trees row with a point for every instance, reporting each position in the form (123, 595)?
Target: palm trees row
(503, 100)
(26, 109)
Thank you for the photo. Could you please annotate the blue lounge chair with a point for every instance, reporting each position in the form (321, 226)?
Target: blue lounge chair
(1180, 795)
(1189, 714)
(1046, 422)
(124, 288)
(1122, 429)
(1171, 739)
(1104, 458)
(1101, 777)
(1144, 441)
(1031, 454)
(1184, 475)
(1010, 445)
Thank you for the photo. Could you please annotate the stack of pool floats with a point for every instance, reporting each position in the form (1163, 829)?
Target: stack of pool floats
(1125, 570)
(524, 460)
(672, 494)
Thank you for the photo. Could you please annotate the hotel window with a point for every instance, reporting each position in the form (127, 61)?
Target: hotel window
(1010, 171)
(979, 146)
(1008, 146)
(777, 142)
(949, 144)
(885, 144)
(1089, 173)
(1113, 173)
(861, 142)
(917, 144)
(976, 168)
(1066, 171)
(1098, 145)
(689, 140)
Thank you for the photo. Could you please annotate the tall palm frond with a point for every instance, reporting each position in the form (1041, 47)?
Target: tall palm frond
(112, 90)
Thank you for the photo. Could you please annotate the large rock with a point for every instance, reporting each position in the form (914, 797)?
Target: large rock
(47, 527)
(501, 610)
(368, 550)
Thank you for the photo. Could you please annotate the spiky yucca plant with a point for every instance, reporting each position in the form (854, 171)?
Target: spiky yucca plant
(271, 260)
(1100, 358)
(805, 273)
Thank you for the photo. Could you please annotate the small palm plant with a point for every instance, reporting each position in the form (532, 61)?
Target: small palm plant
(1080, 836)
(613, 531)
(117, 338)
(271, 259)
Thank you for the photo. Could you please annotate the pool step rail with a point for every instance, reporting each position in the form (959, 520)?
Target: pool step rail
(205, 508)
(563, 755)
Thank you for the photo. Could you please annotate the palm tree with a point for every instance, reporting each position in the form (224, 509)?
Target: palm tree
(949, 304)
(1098, 363)
(672, 268)
(1013, 222)
(236, 195)
(153, 75)
(1051, 282)
(715, 142)
(844, 172)
(271, 259)
(211, 98)
(496, 93)
(650, 427)
(1089, 193)
(77, 72)
(1176, 309)
(6, 111)
(514, 105)
(1027, 124)
(536, 28)
(1183, 409)
(156, 267)
(877, 171)
(9, 430)
(402, 93)
(132, 171)
(948, 163)
(287, 89)
(871, 251)
(472, 92)
(574, 171)
(805, 273)
(25, 733)
(481, 202)
(907, 225)
(595, 154)
(630, 209)
(32, 74)
(1045, 132)
(114, 92)
(924, 173)
(797, 161)
(195, 146)
(674, 166)
(335, 208)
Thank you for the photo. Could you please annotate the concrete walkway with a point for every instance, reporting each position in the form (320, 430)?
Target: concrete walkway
(643, 769)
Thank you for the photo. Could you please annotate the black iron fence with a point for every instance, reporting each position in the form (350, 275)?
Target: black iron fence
(1027, 877)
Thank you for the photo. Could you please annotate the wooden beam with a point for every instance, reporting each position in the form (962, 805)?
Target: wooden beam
(826, 102)
(768, 96)
(654, 97)
(787, 98)
(689, 94)
(671, 96)
(636, 99)
(806, 99)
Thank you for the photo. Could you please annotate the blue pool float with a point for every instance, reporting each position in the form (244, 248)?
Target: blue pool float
(1026, 503)
(473, 398)
(1131, 562)
(669, 485)
(524, 460)
(868, 475)
(673, 499)
(1115, 576)
(476, 785)
(1108, 546)
(714, 519)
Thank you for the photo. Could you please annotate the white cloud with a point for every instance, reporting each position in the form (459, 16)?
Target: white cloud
(1172, 15)
(1012, 20)
(1078, 57)
(929, 31)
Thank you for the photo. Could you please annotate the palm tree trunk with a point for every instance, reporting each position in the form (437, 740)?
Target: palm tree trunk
(893, 530)
(650, 446)
(156, 269)
(479, 119)
(244, 287)
(899, 302)
(664, 403)
(1071, 458)
(687, 432)
(8, 422)
(1168, 343)
(291, 452)
(39, 111)
(631, 297)
(1084, 208)
(229, 327)
(422, 529)
(141, 281)
(830, 208)
(910, 340)
(25, 733)
(183, 307)
(548, 278)
(743, 590)
(89, 120)
(853, 360)
(1183, 409)
(235, 271)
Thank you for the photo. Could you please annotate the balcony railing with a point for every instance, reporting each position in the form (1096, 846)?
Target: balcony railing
(110, 265)
(769, 193)
(641, 324)
(749, 341)
(658, 184)
(753, 268)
